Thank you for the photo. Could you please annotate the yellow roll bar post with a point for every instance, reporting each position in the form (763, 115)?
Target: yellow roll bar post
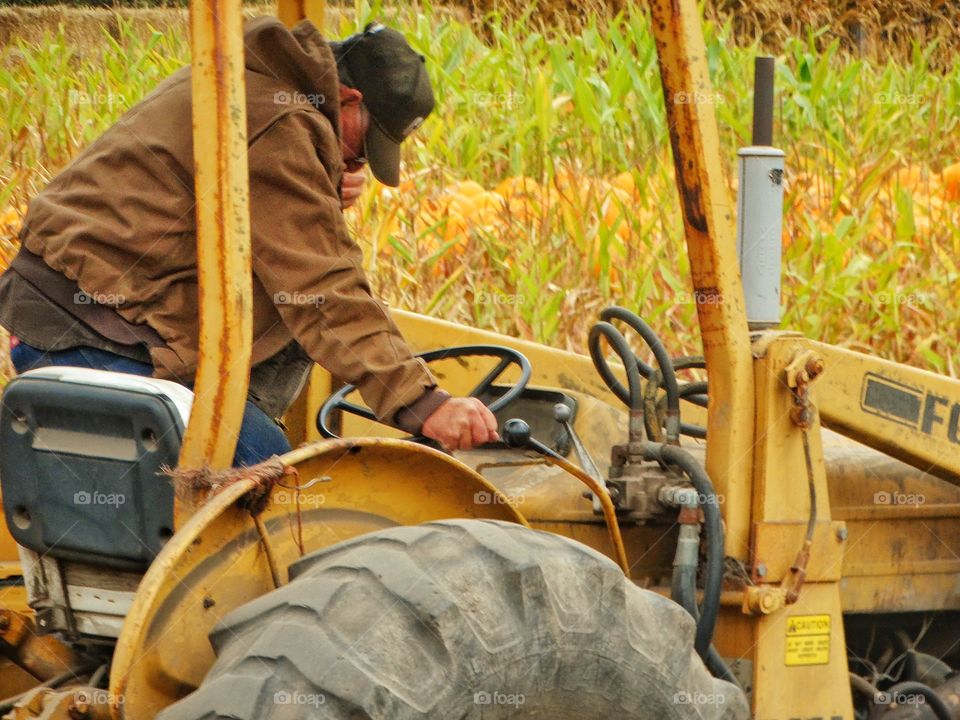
(223, 235)
(708, 219)
(299, 418)
(291, 12)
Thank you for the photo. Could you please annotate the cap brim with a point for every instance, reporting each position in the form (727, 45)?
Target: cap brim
(383, 154)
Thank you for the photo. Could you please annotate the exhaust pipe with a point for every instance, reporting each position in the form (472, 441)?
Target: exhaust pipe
(760, 208)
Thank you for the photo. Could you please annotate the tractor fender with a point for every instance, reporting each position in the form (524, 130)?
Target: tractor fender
(223, 557)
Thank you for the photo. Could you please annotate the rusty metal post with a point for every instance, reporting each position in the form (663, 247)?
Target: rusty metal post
(223, 234)
(708, 218)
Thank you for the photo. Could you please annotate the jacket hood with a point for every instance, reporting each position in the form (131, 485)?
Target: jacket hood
(297, 57)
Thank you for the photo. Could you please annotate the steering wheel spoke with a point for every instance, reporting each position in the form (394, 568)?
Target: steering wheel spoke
(358, 410)
(491, 377)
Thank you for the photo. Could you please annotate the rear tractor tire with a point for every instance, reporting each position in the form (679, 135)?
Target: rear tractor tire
(458, 619)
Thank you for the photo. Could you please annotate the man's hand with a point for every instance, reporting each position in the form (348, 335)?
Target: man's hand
(351, 186)
(461, 423)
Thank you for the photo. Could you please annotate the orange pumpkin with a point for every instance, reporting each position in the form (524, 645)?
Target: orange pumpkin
(951, 182)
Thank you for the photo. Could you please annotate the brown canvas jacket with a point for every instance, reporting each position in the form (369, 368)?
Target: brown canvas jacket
(119, 220)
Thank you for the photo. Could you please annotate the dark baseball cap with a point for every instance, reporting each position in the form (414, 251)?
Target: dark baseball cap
(396, 91)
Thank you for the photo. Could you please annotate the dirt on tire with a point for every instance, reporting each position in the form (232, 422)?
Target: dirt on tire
(458, 619)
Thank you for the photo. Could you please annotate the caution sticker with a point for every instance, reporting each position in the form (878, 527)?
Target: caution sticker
(808, 640)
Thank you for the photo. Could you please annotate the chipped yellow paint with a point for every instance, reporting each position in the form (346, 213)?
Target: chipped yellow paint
(708, 220)
(223, 235)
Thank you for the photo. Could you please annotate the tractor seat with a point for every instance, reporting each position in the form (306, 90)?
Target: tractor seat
(81, 453)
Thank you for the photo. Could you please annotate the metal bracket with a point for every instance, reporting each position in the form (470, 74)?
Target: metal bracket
(801, 372)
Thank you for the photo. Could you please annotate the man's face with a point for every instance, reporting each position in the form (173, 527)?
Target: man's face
(354, 122)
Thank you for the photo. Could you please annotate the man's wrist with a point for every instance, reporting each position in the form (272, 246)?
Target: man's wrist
(410, 419)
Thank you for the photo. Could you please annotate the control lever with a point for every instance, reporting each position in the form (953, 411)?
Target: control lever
(516, 434)
(561, 413)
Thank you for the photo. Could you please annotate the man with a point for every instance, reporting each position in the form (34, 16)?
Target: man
(107, 278)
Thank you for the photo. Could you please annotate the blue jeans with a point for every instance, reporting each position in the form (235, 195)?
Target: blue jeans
(260, 437)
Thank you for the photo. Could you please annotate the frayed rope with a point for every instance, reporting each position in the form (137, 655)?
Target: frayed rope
(187, 483)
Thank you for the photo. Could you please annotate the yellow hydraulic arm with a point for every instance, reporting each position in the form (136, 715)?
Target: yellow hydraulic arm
(911, 414)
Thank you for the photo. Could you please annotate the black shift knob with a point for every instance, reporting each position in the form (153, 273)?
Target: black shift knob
(516, 433)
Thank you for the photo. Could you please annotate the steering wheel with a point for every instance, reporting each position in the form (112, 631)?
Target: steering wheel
(507, 356)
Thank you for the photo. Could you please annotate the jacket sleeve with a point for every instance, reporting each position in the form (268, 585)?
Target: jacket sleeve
(307, 262)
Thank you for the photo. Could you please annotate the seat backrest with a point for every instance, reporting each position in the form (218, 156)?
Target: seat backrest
(81, 453)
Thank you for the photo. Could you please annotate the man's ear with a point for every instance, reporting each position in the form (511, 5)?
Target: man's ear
(350, 96)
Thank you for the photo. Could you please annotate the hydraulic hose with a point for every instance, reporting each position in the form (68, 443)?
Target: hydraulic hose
(630, 395)
(695, 392)
(684, 577)
(713, 575)
(663, 361)
(911, 687)
(694, 431)
(718, 668)
(684, 593)
(651, 418)
(690, 362)
(692, 392)
(683, 588)
(666, 377)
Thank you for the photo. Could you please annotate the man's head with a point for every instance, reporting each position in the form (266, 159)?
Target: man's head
(385, 95)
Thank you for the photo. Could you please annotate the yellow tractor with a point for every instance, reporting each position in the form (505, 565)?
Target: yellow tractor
(794, 556)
